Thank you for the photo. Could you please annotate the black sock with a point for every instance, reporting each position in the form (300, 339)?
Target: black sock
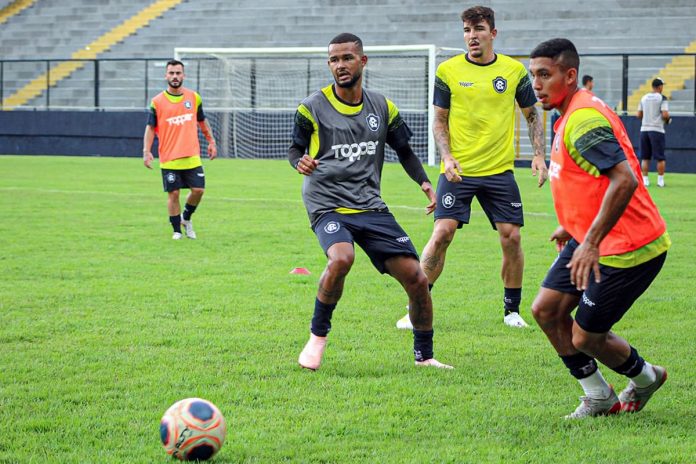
(188, 211)
(321, 322)
(633, 365)
(423, 344)
(176, 223)
(511, 299)
(580, 365)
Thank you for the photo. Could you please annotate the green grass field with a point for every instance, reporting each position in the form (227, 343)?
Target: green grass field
(105, 322)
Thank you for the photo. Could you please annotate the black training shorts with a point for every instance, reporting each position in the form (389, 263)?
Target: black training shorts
(377, 233)
(498, 195)
(603, 304)
(176, 179)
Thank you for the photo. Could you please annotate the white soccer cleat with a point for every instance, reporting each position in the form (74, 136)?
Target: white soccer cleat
(188, 228)
(432, 362)
(593, 407)
(633, 398)
(646, 181)
(404, 323)
(515, 320)
(660, 182)
(176, 236)
(311, 355)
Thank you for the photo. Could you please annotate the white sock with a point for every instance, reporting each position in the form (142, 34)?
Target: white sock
(660, 179)
(646, 180)
(646, 377)
(595, 386)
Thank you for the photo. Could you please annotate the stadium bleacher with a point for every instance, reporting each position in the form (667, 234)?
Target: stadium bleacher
(596, 26)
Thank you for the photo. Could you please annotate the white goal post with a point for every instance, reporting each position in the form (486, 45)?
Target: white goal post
(250, 95)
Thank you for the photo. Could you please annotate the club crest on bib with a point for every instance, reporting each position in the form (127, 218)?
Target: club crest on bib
(373, 122)
(187, 105)
(499, 84)
(332, 227)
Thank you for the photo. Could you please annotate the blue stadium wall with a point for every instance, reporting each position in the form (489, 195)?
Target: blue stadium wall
(120, 134)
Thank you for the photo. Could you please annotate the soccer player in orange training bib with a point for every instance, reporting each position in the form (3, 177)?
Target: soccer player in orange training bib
(175, 116)
(612, 241)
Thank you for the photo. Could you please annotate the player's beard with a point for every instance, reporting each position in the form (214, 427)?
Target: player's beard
(175, 85)
(351, 83)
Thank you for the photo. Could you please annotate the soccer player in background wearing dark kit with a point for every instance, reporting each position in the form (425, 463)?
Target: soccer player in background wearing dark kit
(474, 102)
(612, 241)
(338, 145)
(175, 116)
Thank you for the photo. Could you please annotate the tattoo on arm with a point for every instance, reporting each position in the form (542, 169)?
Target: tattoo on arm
(441, 131)
(536, 131)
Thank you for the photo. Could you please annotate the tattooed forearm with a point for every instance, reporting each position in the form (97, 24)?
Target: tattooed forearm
(536, 131)
(441, 131)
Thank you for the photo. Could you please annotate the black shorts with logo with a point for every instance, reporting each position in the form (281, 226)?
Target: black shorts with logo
(176, 179)
(498, 195)
(603, 304)
(377, 233)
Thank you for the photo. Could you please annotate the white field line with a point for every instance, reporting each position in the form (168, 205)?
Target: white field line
(212, 198)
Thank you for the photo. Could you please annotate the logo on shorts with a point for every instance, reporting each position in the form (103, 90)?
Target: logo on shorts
(171, 178)
(515, 204)
(187, 105)
(372, 122)
(403, 239)
(587, 301)
(200, 174)
(499, 84)
(332, 227)
(448, 200)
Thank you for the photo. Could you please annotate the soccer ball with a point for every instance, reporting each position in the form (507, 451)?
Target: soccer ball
(193, 429)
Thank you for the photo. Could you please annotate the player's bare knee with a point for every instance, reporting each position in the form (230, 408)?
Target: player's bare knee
(340, 265)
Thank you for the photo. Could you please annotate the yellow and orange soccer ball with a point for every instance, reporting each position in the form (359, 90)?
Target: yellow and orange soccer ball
(193, 429)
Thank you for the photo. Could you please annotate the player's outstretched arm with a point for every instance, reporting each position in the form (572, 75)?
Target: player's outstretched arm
(622, 184)
(148, 138)
(536, 137)
(442, 141)
(414, 168)
(208, 134)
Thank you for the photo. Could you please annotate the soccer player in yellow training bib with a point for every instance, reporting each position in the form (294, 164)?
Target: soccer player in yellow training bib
(475, 95)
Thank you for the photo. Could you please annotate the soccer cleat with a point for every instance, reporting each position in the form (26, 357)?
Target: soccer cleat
(660, 182)
(404, 323)
(646, 181)
(432, 362)
(514, 320)
(188, 228)
(176, 236)
(633, 398)
(311, 355)
(592, 407)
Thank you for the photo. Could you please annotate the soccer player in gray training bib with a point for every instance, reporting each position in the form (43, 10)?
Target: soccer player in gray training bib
(338, 145)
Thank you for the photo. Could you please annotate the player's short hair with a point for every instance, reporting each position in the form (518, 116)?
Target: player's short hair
(476, 14)
(587, 78)
(347, 37)
(174, 63)
(562, 51)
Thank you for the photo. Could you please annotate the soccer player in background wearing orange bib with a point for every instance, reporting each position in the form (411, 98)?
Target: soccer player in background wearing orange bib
(612, 241)
(175, 116)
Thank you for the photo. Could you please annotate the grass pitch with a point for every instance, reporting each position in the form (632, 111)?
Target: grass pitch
(105, 322)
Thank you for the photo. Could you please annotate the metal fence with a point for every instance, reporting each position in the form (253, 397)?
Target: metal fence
(104, 84)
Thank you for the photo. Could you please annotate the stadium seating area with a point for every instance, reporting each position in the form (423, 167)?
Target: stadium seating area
(60, 29)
